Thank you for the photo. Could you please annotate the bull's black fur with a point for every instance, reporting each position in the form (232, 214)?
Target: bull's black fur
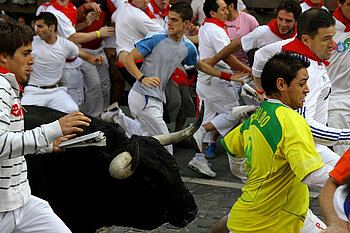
(79, 188)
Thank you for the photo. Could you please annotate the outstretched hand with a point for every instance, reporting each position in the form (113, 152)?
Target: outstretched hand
(69, 123)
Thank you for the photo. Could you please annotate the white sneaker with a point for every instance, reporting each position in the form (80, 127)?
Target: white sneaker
(110, 112)
(201, 167)
(243, 112)
(198, 138)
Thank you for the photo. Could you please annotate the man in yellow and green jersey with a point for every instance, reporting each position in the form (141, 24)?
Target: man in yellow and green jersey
(280, 153)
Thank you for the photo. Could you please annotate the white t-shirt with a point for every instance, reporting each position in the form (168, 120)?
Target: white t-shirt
(212, 39)
(197, 7)
(49, 60)
(339, 68)
(258, 38)
(131, 24)
(65, 29)
(305, 7)
(315, 108)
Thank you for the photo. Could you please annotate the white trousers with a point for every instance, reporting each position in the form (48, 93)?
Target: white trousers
(72, 78)
(36, 217)
(148, 114)
(219, 98)
(339, 117)
(103, 72)
(93, 101)
(55, 98)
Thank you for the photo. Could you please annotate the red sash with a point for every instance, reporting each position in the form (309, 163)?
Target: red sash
(309, 3)
(157, 11)
(217, 22)
(296, 46)
(274, 29)
(340, 17)
(70, 11)
(3, 70)
(148, 12)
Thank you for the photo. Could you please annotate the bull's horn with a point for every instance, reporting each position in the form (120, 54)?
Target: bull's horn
(167, 139)
(124, 165)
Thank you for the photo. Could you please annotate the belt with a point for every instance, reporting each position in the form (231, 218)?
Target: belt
(46, 87)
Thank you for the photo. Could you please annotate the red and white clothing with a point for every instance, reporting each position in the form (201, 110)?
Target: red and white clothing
(131, 24)
(84, 87)
(17, 207)
(315, 108)
(338, 70)
(307, 4)
(218, 95)
(161, 18)
(263, 35)
(49, 60)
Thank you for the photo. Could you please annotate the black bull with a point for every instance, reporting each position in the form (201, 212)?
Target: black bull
(78, 186)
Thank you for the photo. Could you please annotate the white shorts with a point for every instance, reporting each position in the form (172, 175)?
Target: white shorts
(36, 216)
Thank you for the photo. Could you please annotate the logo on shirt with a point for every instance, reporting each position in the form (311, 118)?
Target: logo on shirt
(343, 46)
(17, 110)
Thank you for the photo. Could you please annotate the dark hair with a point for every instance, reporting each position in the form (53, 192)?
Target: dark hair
(235, 2)
(282, 65)
(341, 1)
(210, 5)
(49, 19)
(311, 20)
(13, 35)
(183, 9)
(291, 6)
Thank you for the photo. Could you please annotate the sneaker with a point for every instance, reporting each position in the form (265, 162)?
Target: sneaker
(243, 112)
(202, 167)
(210, 151)
(198, 139)
(110, 112)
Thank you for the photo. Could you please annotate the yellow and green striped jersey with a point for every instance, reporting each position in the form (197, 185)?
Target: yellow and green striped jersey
(280, 152)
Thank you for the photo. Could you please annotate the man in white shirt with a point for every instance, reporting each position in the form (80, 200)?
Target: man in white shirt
(50, 51)
(338, 71)
(66, 15)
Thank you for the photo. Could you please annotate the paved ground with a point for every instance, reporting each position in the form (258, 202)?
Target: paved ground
(214, 196)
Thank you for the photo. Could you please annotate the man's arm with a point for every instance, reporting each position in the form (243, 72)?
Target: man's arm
(236, 64)
(329, 214)
(204, 67)
(224, 53)
(96, 60)
(82, 37)
(129, 63)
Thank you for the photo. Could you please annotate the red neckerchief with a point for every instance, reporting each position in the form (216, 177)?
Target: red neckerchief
(217, 22)
(3, 70)
(157, 11)
(70, 11)
(296, 46)
(148, 12)
(309, 3)
(340, 17)
(274, 29)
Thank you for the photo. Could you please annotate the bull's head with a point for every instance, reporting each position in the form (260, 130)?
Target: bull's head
(124, 165)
